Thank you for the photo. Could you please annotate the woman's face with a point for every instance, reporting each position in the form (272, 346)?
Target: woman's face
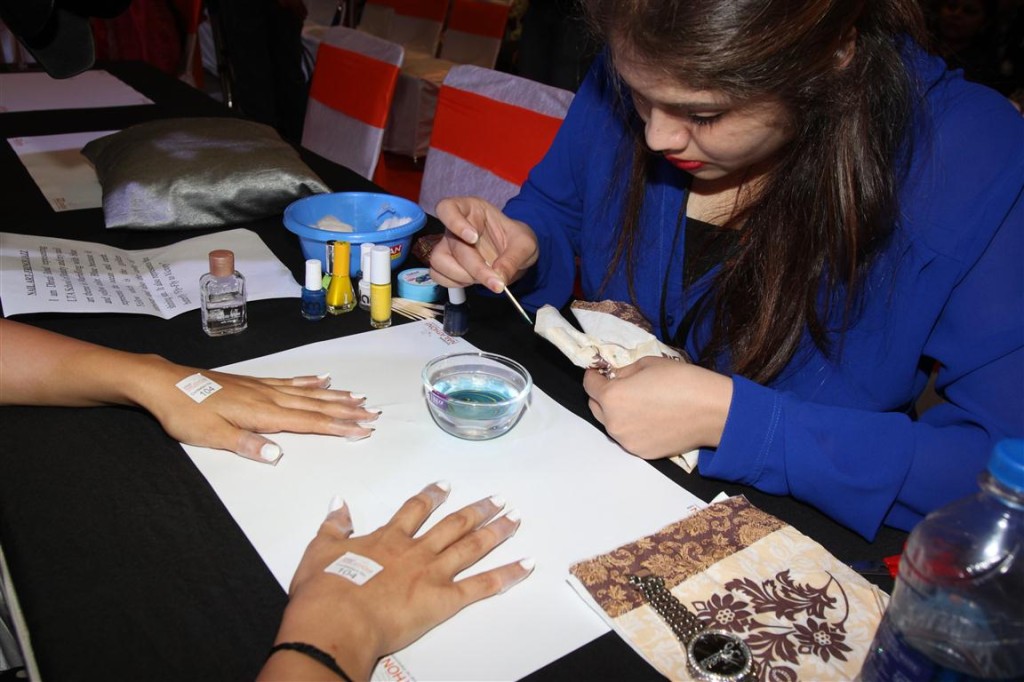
(702, 132)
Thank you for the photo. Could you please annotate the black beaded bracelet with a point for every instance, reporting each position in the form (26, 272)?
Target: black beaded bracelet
(318, 655)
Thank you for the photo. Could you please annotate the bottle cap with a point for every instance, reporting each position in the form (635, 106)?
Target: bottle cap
(1007, 463)
(222, 263)
(314, 274)
(365, 249)
(380, 265)
(456, 295)
(340, 260)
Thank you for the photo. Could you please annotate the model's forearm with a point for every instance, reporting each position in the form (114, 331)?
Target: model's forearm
(38, 367)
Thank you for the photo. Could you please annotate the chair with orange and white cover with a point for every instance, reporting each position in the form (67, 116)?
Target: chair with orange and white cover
(474, 33)
(490, 129)
(350, 97)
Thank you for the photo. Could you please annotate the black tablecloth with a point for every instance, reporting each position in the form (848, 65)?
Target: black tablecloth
(126, 563)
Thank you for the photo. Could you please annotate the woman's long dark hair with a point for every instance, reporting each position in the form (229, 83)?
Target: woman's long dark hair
(830, 200)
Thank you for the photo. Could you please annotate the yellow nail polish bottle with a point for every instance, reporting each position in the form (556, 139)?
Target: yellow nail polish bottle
(340, 295)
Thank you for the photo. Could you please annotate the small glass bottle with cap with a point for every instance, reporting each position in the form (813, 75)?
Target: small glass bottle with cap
(340, 297)
(222, 296)
(456, 312)
(314, 300)
(380, 287)
(365, 249)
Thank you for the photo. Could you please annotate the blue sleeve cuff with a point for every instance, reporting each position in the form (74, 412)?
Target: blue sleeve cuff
(753, 429)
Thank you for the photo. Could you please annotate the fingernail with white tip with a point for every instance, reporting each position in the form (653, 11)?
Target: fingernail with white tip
(529, 563)
(498, 501)
(337, 502)
(325, 377)
(270, 452)
(443, 485)
(513, 515)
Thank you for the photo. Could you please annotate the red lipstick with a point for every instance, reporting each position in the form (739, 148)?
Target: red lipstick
(684, 165)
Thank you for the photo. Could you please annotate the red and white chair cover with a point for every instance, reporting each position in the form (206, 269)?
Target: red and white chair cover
(350, 96)
(474, 33)
(490, 129)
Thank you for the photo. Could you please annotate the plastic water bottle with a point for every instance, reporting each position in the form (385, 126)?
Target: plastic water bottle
(957, 611)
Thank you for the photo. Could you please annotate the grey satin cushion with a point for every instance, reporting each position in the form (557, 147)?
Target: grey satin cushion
(197, 172)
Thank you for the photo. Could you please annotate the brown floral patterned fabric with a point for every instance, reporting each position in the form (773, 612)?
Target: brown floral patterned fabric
(803, 614)
(675, 552)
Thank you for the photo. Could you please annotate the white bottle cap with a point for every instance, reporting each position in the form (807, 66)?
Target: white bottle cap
(314, 274)
(365, 249)
(380, 265)
(456, 295)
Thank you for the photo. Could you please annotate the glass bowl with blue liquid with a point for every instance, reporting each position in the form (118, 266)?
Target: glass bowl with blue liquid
(475, 395)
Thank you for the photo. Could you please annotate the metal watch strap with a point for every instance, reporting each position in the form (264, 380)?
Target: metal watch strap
(687, 626)
(682, 621)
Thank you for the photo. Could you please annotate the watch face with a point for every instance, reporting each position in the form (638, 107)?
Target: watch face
(718, 655)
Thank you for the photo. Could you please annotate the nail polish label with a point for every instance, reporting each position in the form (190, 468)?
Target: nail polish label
(198, 387)
(354, 567)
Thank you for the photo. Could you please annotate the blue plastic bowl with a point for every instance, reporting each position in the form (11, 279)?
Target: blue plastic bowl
(365, 212)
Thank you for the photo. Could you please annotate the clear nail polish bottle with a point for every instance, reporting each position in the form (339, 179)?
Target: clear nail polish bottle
(222, 296)
(365, 249)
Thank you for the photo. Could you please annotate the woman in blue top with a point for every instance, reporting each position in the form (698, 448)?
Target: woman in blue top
(818, 212)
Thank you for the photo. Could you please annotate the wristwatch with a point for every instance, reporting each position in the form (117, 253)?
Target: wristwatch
(711, 655)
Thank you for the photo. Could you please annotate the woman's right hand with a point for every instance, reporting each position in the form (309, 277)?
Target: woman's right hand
(480, 245)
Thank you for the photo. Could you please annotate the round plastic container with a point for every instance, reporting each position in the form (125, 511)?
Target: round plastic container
(354, 217)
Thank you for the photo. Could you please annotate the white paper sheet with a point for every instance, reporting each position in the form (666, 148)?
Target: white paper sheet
(63, 175)
(578, 492)
(37, 91)
(44, 274)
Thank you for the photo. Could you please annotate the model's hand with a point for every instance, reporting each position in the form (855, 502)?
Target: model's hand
(235, 416)
(38, 367)
(659, 407)
(481, 245)
(414, 591)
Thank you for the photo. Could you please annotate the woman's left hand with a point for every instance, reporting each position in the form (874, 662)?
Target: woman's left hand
(415, 589)
(659, 407)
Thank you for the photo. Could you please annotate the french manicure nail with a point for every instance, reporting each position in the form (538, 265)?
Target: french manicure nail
(443, 485)
(529, 563)
(357, 396)
(498, 501)
(326, 376)
(270, 452)
(337, 502)
(355, 438)
(513, 515)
